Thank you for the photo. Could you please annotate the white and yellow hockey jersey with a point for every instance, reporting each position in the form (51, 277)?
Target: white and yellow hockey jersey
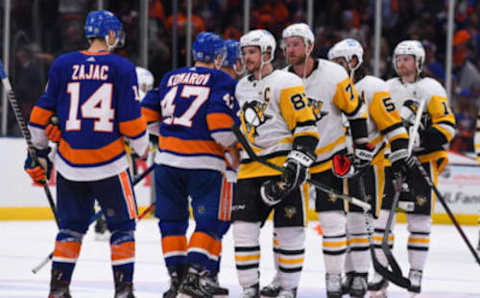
(476, 138)
(274, 111)
(436, 114)
(384, 122)
(331, 93)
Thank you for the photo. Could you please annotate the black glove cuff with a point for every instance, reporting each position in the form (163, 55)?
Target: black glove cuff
(306, 145)
(432, 139)
(359, 129)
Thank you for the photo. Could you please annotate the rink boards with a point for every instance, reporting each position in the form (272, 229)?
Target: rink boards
(22, 200)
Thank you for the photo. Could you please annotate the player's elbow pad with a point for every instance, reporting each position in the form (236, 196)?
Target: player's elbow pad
(224, 138)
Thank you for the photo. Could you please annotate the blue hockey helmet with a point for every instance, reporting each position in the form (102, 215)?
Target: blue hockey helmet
(207, 46)
(233, 52)
(100, 22)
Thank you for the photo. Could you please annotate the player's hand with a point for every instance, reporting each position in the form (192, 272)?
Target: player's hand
(232, 155)
(53, 131)
(343, 166)
(296, 169)
(39, 171)
(272, 193)
(402, 164)
(363, 156)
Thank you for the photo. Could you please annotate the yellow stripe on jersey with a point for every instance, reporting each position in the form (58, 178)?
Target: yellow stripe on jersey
(295, 109)
(383, 111)
(346, 99)
(255, 169)
(440, 113)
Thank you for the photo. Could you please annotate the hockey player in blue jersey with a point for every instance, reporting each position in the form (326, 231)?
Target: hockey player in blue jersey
(195, 106)
(94, 94)
(233, 64)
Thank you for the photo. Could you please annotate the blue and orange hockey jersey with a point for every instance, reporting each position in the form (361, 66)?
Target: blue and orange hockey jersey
(95, 96)
(196, 107)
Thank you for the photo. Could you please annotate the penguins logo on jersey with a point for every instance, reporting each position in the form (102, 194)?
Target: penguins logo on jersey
(317, 108)
(253, 115)
(290, 211)
(409, 112)
(421, 200)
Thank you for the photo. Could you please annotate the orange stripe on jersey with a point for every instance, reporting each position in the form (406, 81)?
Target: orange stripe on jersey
(91, 156)
(190, 146)
(95, 53)
(133, 128)
(205, 242)
(69, 250)
(216, 121)
(128, 195)
(151, 115)
(40, 116)
(174, 243)
(122, 251)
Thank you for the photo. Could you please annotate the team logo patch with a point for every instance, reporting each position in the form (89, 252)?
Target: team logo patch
(421, 200)
(290, 211)
(332, 198)
(253, 115)
(317, 108)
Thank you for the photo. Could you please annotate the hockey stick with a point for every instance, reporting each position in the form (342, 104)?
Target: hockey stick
(449, 212)
(26, 134)
(396, 275)
(97, 215)
(241, 138)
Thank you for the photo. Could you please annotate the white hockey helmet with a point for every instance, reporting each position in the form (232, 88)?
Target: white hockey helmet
(262, 39)
(145, 81)
(347, 48)
(299, 30)
(410, 47)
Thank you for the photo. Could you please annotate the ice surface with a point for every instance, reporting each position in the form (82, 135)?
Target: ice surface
(450, 272)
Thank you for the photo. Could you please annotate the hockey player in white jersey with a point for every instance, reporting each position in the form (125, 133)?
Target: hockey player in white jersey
(280, 125)
(436, 130)
(384, 124)
(331, 94)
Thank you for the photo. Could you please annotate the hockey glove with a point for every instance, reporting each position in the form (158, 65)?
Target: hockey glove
(363, 156)
(402, 164)
(39, 172)
(53, 131)
(296, 167)
(342, 166)
(272, 193)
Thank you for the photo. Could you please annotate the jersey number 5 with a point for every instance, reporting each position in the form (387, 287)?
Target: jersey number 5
(97, 106)
(200, 95)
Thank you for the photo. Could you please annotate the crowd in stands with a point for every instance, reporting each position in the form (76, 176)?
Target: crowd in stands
(42, 30)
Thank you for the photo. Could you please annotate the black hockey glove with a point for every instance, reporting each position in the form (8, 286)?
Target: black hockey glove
(363, 155)
(296, 167)
(402, 164)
